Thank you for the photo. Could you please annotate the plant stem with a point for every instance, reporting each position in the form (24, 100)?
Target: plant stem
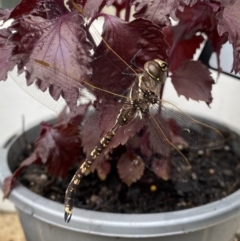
(127, 8)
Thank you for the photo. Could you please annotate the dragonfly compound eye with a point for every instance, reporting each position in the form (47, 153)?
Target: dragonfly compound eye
(157, 70)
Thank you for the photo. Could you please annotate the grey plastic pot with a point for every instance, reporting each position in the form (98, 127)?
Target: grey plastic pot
(42, 219)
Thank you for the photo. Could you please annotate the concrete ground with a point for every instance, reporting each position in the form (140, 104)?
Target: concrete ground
(10, 227)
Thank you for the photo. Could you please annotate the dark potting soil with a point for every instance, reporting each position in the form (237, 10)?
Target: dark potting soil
(215, 174)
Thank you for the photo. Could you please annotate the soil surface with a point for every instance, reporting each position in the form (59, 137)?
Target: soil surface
(215, 174)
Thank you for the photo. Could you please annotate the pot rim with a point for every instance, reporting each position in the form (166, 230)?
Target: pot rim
(120, 225)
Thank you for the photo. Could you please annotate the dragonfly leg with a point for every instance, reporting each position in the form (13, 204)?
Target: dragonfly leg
(128, 71)
(133, 60)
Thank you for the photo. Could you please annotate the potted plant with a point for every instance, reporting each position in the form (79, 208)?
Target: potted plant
(119, 82)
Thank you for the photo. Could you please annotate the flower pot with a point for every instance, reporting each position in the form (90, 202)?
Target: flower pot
(42, 219)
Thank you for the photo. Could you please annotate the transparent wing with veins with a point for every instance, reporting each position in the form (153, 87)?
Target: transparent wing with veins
(74, 86)
(167, 126)
(198, 135)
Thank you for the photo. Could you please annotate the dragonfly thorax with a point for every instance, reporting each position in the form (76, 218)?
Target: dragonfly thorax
(141, 105)
(150, 97)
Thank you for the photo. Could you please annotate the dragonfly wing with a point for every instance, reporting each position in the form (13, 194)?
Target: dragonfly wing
(196, 134)
(153, 145)
(43, 97)
(67, 90)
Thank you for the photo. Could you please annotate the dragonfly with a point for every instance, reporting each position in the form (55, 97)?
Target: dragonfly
(142, 106)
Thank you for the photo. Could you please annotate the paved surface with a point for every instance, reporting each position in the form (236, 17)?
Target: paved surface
(10, 227)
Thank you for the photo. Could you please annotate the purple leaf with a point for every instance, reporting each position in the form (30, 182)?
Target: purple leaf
(9, 181)
(62, 44)
(98, 124)
(183, 39)
(147, 42)
(119, 6)
(103, 170)
(130, 168)
(202, 16)
(226, 2)
(156, 142)
(156, 11)
(108, 115)
(78, 117)
(236, 59)
(183, 49)
(47, 9)
(6, 50)
(199, 18)
(92, 7)
(5, 13)
(24, 8)
(125, 133)
(162, 169)
(229, 21)
(175, 136)
(90, 133)
(193, 80)
(189, 2)
(115, 2)
(58, 147)
(217, 42)
(203, 19)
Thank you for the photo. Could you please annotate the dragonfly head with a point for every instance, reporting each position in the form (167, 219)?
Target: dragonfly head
(157, 70)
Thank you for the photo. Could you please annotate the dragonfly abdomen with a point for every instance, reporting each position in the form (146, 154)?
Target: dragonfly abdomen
(72, 187)
(124, 117)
